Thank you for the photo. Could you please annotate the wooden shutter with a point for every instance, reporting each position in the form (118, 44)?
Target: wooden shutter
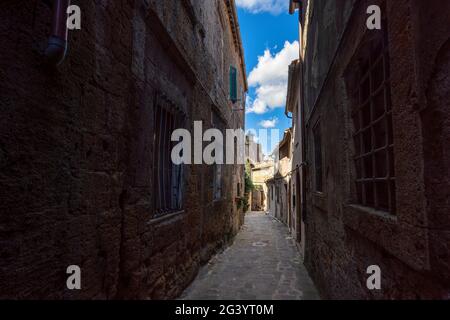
(233, 84)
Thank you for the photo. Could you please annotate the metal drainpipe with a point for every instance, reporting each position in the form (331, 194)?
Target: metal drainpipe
(57, 42)
(288, 116)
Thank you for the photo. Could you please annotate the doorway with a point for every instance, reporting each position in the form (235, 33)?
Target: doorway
(298, 209)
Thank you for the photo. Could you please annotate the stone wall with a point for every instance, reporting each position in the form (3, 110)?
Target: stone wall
(262, 172)
(279, 184)
(342, 239)
(293, 105)
(76, 168)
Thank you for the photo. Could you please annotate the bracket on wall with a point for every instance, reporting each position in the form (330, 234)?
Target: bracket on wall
(244, 95)
(237, 110)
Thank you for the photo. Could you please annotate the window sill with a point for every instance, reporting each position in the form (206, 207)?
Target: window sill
(166, 217)
(388, 232)
(377, 213)
(319, 194)
(375, 225)
(319, 201)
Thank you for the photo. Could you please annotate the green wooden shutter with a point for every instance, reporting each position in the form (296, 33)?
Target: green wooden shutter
(233, 84)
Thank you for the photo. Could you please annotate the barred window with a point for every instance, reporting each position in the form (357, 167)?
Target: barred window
(372, 120)
(168, 178)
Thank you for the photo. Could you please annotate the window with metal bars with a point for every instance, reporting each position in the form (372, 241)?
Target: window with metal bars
(167, 177)
(372, 120)
(318, 163)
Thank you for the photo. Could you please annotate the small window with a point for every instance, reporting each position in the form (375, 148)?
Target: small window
(168, 178)
(369, 79)
(318, 163)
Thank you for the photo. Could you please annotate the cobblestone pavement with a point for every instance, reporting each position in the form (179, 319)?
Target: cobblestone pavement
(262, 264)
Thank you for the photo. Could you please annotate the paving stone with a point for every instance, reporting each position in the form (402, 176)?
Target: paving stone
(263, 263)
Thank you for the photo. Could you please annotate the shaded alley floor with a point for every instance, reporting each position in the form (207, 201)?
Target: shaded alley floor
(262, 264)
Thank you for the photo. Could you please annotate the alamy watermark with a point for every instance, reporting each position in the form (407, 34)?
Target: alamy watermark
(374, 20)
(74, 280)
(212, 147)
(374, 280)
(73, 17)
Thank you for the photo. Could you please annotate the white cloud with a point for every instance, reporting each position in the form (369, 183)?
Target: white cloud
(259, 6)
(270, 78)
(267, 124)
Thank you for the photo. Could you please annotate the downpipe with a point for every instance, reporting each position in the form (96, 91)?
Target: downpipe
(57, 42)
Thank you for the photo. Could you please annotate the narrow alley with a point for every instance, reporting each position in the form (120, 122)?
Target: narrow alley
(224, 150)
(265, 247)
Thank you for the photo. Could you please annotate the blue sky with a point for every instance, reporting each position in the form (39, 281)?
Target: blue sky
(270, 39)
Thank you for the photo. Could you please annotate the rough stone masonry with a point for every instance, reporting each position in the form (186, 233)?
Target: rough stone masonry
(77, 164)
(409, 242)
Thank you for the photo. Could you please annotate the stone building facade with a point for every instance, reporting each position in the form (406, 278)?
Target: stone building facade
(293, 107)
(84, 173)
(377, 110)
(253, 150)
(279, 185)
(253, 158)
(261, 172)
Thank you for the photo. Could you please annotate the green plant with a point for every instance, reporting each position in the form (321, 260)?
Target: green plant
(243, 202)
(249, 186)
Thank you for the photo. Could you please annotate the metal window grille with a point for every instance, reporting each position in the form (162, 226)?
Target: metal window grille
(372, 119)
(168, 177)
